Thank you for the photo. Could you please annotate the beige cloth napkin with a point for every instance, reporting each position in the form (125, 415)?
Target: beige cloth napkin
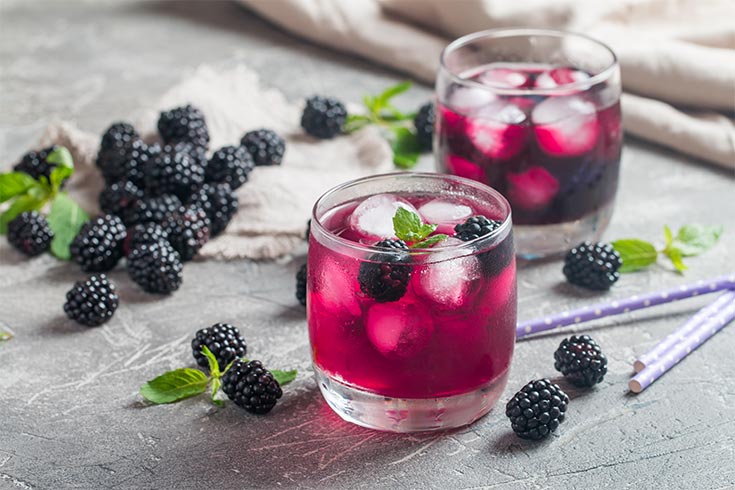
(677, 57)
(276, 201)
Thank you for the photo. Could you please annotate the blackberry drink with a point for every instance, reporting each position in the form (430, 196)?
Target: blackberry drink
(411, 300)
(536, 115)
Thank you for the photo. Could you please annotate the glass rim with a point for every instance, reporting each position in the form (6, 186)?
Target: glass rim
(603, 75)
(470, 246)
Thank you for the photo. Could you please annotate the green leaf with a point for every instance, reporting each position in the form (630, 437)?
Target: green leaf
(20, 205)
(675, 255)
(431, 241)
(635, 254)
(58, 176)
(216, 384)
(355, 122)
(696, 239)
(406, 225)
(5, 336)
(284, 377)
(391, 92)
(61, 158)
(213, 364)
(65, 220)
(175, 385)
(406, 147)
(668, 235)
(15, 183)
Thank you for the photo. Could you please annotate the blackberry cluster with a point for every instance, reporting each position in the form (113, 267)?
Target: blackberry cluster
(230, 165)
(119, 196)
(92, 302)
(117, 135)
(144, 234)
(219, 202)
(592, 266)
(35, 163)
(323, 117)
(184, 124)
(424, 123)
(251, 386)
(151, 209)
(156, 268)
(98, 246)
(537, 410)
(188, 231)
(301, 285)
(475, 227)
(223, 340)
(126, 160)
(384, 276)
(580, 360)
(30, 233)
(173, 172)
(265, 146)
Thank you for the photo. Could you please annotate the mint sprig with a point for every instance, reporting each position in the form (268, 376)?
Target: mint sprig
(409, 227)
(5, 336)
(690, 240)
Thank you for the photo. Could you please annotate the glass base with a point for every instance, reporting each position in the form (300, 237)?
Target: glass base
(538, 241)
(408, 414)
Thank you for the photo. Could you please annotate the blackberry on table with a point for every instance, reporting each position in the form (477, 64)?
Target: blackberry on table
(537, 410)
(223, 340)
(151, 209)
(144, 234)
(188, 231)
(185, 123)
(92, 302)
(98, 246)
(323, 117)
(173, 172)
(30, 233)
(475, 227)
(385, 276)
(424, 123)
(116, 198)
(118, 134)
(251, 387)
(156, 268)
(265, 146)
(301, 285)
(231, 165)
(580, 359)
(126, 161)
(219, 202)
(592, 266)
(35, 163)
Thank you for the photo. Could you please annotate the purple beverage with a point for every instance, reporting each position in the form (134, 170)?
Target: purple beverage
(413, 334)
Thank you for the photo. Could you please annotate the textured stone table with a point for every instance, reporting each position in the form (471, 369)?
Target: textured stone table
(70, 416)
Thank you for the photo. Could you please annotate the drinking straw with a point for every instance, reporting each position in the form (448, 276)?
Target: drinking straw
(635, 302)
(679, 351)
(681, 333)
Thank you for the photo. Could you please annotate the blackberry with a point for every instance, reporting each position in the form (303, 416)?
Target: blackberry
(251, 386)
(385, 276)
(592, 266)
(29, 232)
(144, 234)
(98, 246)
(188, 231)
(219, 202)
(265, 146)
(580, 360)
(301, 285)
(92, 302)
(424, 123)
(35, 163)
(173, 171)
(118, 134)
(156, 267)
(323, 117)
(151, 209)
(537, 410)
(494, 260)
(223, 340)
(197, 153)
(184, 124)
(126, 160)
(475, 227)
(231, 165)
(116, 198)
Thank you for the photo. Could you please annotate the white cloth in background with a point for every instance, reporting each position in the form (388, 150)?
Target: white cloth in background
(677, 57)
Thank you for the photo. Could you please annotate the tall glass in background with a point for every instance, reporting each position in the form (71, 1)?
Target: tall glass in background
(534, 114)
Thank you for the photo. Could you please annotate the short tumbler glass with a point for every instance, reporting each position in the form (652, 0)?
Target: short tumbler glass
(534, 114)
(418, 339)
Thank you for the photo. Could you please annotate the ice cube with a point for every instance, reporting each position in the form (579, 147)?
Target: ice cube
(464, 168)
(449, 280)
(565, 125)
(469, 100)
(557, 77)
(498, 130)
(505, 77)
(399, 330)
(444, 213)
(532, 189)
(373, 218)
(337, 289)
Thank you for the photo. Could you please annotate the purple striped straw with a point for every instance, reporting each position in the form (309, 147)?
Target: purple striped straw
(679, 351)
(681, 333)
(635, 302)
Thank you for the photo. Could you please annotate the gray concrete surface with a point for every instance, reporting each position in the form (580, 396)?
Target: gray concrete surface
(70, 415)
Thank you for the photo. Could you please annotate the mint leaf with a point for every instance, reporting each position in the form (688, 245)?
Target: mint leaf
(61, 158)
(21, 204)
(213, 365)
(58, 176)
(284, 377)
(406, 148)
(382, 100)
(65, 220)
(429, 242)
(406, 225)
(216, 384)
(5, 336)
(675, 255)
(635, 254)
(175, 385)
(15, 183)
(696, 239)
(355, 122)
